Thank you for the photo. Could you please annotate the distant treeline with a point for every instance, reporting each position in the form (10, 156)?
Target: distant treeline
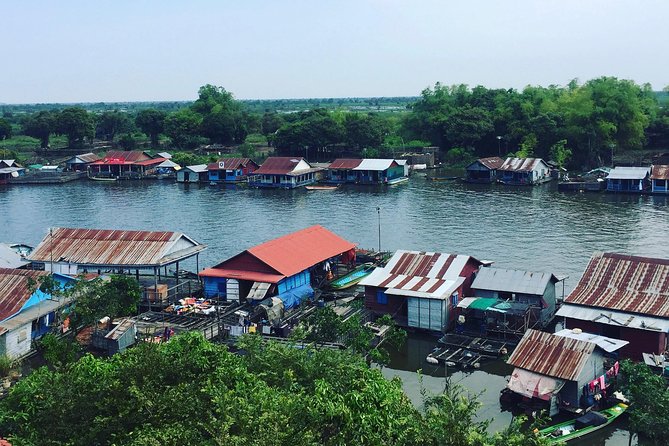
(579, 125)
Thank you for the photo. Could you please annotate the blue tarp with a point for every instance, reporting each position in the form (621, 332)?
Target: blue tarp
(295, 296)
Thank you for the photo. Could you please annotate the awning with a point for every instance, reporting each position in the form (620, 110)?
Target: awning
(534, 385)
(294, 297)
(478, 303)
(258, 290)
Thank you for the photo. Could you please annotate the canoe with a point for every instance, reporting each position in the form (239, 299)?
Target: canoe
(443, 178)
(590, 422)
(353, 277)
(102, 179)
(315, 187)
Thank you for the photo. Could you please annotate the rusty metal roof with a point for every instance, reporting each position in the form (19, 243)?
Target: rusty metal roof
(230, 163)
(283, 256)
(114, 247)
(625, 283)
(492, 163)
(89, 157)
(521, 164)
(345, 163)
(14, 292)
(660, 172)
(150, 162)
(551, 355)
(285, 165)
(124, 156)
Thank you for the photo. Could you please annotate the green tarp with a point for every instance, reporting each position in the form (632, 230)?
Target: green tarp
(483, 303)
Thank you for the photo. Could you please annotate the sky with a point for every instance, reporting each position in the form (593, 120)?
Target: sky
(161, 50)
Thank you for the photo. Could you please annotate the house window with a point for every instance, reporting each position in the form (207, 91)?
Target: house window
(23, 335)
(454, 300)
(381, 297)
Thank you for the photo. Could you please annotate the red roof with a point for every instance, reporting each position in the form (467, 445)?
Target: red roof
(123, 157)
(345, 163)
(625, 283)
(150, 162)
(282, 257)
(281, 165)
(551, 355)
(230, 164)
(660, 172)
(14, 289)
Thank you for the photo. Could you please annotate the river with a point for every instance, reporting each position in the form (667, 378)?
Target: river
(537, 229)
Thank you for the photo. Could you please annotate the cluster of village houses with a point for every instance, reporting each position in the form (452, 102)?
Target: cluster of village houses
(293, 172)
(619, 308)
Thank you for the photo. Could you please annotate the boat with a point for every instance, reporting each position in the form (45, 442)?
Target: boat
(102, 178)
(352, 278)
(576, 428)
(321, 187)
(443, 178)
(397, 180)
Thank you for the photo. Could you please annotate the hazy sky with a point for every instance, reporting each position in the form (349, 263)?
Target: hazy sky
(132, 50)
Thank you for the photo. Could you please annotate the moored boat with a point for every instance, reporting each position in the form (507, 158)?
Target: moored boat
(321, 187)
(590, 422)
(103, 178)
(352, 278)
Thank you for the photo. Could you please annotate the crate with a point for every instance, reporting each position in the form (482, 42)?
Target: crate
(156, 293)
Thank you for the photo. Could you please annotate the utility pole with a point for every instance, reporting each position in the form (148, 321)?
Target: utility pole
(378, 211)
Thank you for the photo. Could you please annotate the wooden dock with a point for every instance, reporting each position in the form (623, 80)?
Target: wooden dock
(466, 351)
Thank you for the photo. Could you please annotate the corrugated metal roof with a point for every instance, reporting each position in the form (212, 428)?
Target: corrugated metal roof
(132, 156)
(492, 163)
(14, 292)
(421, 274)
(283, 256)
(151, 162)
(30, 314)
(607, 344)
(198, 168)
(375, 164)
(9, 258)
(660, 172)
(89, 157)
(230, 163)
(628, 173)
(551, 355)
(8, 163)
(345, 163)
(512, 281)
(521, 164)
(166, 155)
(615, 318)
(625, 283)
(283, 165)
(114, 247)
(170, 164)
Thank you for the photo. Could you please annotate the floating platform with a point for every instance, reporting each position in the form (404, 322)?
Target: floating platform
(485, 346)
(452, 356)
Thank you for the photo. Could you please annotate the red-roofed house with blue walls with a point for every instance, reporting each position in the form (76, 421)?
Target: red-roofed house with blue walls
(231, 170)
(281, 267)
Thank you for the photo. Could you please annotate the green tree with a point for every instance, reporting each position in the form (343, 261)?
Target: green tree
(183, 128)
(40, 125)
(223, 118)
(112, 123)
(119, 296)
(151, 122)
(5, 129)
(75, 123)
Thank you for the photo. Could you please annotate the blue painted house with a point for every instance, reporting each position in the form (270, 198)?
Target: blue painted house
(25, 315)
(284, 172)
(628, 179)
(231, 170)
(281, 267)
(364, 171)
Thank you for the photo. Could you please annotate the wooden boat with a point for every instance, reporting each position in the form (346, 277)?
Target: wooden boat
(321, 187)
(353, 277)
(102, 179)
(397, 180)
(590, 422)
(443, 178)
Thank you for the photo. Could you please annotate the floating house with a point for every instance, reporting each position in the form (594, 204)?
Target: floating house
(10, 169)
(73, 251)
(524, 172)
(25, 314)
(628, 179)
(284, 172)
(559, 371)
(483, 170)
(81, 162)
(533, 291)
(193, 174)
(280, 268)
(231, 170)
(123, 164)
(420, 289)
(623, 297)
(659, 177)
(365, 171)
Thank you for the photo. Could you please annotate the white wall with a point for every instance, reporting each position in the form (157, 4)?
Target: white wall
(17, 341)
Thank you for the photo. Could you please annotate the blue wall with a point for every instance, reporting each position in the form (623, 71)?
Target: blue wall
(214, 287)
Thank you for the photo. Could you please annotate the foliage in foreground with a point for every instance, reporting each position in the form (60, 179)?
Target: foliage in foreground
(649, 395)
(190, 391)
